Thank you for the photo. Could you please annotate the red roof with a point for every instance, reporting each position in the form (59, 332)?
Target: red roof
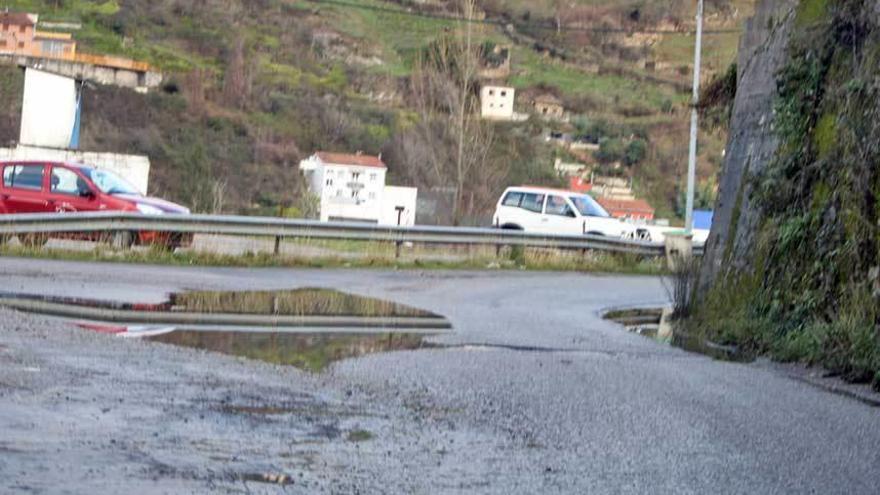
(16, 19)
(626, 205)
(349, 159)
(579, 184)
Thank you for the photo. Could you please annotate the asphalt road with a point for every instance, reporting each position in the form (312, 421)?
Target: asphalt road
(533, 393)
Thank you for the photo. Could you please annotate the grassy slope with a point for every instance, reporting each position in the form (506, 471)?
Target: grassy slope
(286, 75)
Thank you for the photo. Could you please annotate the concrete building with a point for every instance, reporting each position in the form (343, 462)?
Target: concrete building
(615, 188)
(22, 44)
(17, 32)
(352, 187)
(496, 102)
(569, 168)
(19, 36)
(549, 107)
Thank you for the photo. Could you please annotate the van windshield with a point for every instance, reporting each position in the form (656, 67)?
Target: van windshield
(588, 206)
(110, 183)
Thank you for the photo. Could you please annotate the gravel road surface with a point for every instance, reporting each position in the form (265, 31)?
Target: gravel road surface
(532, 393)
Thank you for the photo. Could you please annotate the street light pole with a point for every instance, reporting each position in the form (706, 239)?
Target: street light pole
(692, 154)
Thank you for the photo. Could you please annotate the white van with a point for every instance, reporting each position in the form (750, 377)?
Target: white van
(553, 211)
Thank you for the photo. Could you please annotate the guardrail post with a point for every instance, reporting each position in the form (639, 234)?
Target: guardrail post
(277, 245)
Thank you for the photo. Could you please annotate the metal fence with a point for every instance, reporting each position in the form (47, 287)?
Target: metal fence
(279, 228)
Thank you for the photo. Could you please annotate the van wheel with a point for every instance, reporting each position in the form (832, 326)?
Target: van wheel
(34, 240)
(122, 240)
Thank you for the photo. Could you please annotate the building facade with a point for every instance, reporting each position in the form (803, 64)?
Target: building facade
(549, 107)
(351, 187)
(496, 102)
(19, 36)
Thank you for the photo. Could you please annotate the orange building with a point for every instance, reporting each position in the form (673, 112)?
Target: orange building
(632, 209)
(19, 36)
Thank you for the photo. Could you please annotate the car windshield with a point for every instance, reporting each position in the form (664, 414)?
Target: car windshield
(588, 206)
(110, 183)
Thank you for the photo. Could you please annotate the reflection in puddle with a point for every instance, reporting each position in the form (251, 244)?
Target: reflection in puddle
(297, 302)
(306, 328)
(312, 352)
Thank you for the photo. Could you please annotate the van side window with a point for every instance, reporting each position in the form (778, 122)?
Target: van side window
(532, 202)
(512, 199)
(24, 177)
(556, 205)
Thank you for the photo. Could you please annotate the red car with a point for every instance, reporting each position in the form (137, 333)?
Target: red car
(54, 187)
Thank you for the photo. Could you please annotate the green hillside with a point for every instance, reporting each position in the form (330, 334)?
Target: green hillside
(254, 86)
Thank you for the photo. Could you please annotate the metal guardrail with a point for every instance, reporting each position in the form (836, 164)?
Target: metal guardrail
(58, 223)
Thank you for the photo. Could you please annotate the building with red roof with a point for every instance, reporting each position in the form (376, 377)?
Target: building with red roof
(631, 209)
(578, 184)
(352, 187)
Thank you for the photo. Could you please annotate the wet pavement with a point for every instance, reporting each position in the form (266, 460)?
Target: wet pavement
(532, 393)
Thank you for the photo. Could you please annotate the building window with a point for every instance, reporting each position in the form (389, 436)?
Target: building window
(21, 29)
(2, 43)
(504, 93)
(21, 44)
(329, 182)
(373, 177)
(339, 193)
(372, 195)
(491, 92)
(355, 175)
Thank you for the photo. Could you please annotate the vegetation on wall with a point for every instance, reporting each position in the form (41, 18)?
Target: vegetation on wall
(812, 293)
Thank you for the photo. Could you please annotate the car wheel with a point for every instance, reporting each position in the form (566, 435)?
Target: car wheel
(122, 240)
(510, 226)
(596, 232)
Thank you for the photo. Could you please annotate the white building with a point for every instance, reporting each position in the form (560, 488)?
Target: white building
(352, 188)
(496, 102)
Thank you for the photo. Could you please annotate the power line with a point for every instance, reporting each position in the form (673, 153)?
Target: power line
(519, 25)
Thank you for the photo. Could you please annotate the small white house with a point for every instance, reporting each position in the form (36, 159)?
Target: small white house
(496, 102)
(351, 187)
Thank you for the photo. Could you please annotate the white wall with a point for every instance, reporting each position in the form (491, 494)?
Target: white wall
(134, 168)
(496, 102)
(48, 109)
(394, 196)
(337, 187)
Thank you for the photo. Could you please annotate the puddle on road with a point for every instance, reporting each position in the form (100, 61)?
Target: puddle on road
(646, 322)
(312, 352)
(271, 329)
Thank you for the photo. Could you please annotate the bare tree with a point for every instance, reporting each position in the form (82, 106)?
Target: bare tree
(450, 146)
(237, 82)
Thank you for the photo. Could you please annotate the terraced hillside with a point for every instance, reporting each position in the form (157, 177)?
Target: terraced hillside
(254, 86)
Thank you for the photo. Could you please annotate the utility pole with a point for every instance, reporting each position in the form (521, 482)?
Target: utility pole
(692, 155)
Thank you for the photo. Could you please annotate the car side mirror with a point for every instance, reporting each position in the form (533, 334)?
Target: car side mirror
(87, 193)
